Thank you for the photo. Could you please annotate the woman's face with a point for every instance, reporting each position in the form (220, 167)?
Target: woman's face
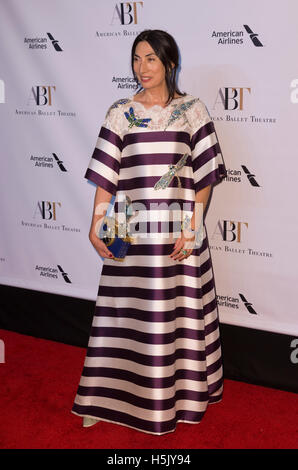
(148, 67)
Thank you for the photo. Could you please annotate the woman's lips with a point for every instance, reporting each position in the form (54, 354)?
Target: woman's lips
(145, 79)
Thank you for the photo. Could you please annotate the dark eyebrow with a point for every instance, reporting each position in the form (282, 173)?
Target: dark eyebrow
(151, 53)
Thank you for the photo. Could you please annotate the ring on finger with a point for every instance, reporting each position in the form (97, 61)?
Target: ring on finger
(184, 252)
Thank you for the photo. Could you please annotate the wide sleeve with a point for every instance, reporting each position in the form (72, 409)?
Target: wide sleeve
(104, 166)
(207, 161)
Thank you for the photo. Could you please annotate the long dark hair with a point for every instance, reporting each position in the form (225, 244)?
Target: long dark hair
(165, 47)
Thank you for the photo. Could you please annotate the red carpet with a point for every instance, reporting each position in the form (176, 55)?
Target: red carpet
(38, 382)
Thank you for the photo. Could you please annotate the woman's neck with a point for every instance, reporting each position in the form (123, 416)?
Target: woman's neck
(152, 97)
(158, 95)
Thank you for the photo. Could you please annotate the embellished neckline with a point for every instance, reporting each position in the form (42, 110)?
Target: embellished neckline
(157, 105)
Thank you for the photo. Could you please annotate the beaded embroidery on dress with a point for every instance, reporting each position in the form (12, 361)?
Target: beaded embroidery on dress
(180, 113)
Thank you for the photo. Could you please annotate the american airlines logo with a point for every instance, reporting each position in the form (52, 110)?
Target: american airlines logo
(253, 36)
(235, 176)
(41, 42)
(64, 274)
(250, 176)
(54, 43)
(236, 37)
(48, 162)
(52, 272)
(234, 303)
(248, 305)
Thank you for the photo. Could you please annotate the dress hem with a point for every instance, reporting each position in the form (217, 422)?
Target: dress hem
(138, 429)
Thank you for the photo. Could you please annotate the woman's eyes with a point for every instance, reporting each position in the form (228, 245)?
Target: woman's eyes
(150, 59)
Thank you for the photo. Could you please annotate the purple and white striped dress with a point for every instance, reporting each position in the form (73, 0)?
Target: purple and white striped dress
(154, 354)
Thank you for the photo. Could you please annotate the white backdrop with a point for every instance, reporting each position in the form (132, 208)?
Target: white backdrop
(63, 62)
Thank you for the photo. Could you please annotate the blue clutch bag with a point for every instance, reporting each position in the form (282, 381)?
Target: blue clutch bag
(117, 245)
(115, 236)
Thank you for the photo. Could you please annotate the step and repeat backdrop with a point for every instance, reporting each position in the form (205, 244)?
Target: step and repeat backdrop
(64, 62)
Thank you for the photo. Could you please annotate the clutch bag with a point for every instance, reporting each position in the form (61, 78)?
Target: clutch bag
(117, 245)
(115, 235)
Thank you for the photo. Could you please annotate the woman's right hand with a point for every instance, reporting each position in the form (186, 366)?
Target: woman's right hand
(101, 203)
(100, 247)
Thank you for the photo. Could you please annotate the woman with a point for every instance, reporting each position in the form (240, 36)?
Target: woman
(154, 356)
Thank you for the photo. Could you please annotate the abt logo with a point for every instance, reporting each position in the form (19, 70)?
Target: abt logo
(231, 98)
(229, 230)
(126, 13)
(47, 210)
(42, 95)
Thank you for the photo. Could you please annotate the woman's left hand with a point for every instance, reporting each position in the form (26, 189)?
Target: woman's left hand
(183, 246)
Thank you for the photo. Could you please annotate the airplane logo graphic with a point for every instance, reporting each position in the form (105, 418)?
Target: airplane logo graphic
(253, 36)
(250, 176)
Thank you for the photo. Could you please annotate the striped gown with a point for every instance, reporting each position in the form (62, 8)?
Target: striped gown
(154, 354)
